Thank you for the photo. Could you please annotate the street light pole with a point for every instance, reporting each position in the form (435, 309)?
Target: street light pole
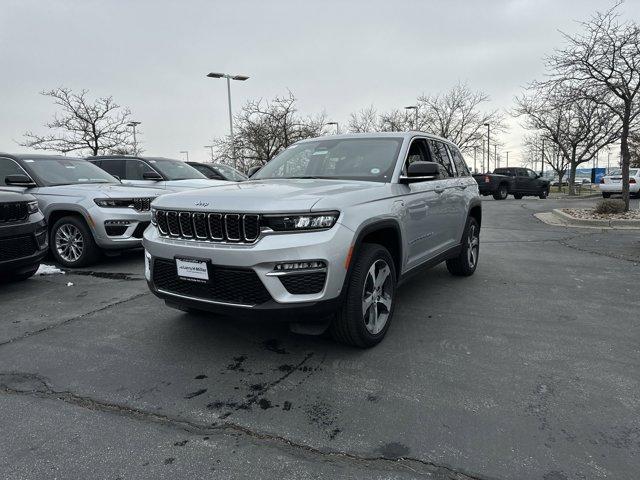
(495, 156)
(186, 152)
(475, 166)
(229, 78)
(507, 158)
(542, 158)
(337, 126)
(488, 144)
(211, 149)
(133, 124)
(415, 118)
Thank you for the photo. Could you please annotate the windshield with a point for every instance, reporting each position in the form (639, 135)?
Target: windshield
(61, 171)
(230, 172)
(371, 159)
(175, 169)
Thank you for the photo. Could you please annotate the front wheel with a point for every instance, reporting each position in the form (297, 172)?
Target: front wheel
(502, 193)
(72, 243)
(464, 265)
(367, 310)
(544, 193)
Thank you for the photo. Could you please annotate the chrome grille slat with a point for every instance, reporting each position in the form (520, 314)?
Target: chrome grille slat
(211, 227)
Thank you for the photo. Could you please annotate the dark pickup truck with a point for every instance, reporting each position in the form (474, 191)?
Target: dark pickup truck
(516, 181)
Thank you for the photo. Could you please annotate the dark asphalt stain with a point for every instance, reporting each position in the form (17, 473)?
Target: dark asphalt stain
(200, 377)
(554, 475)
(218, 405)
(205, 438)
(107, 275)
(287, 406)
(257, 387)
(372, 398)
(394, 451)
(285, 368)
(169, 461)
(273, 345)
(237, 365)
(264, 403)
(321, 415)
(181, 443)
(195, 394)
(334, 433)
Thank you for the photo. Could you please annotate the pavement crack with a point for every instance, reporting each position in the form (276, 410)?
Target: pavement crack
(36, 386)
(72, 319)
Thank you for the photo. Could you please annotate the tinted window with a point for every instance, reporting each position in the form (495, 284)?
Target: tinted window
(67, 171)
(206, 171)
(418, 152)
(521, 172)
(174, 169)
(8, 167)
(135, 170)
(458, 160)
(505, 171)
(439, 155)
(114, 167)
(532, 174)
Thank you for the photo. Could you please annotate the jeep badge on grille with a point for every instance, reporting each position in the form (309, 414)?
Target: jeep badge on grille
(202, 204)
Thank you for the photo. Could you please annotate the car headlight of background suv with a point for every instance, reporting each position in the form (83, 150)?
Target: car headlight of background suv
(32, 207)
(301, 222)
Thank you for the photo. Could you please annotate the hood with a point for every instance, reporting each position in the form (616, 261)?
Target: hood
(98, 190)
(266, 196)
(192, 183)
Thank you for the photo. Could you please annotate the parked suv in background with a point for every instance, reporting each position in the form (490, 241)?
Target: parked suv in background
(87, 209)
(519, 182)
(218, 171)
(23, 235)
(155, 172)
(324, 230)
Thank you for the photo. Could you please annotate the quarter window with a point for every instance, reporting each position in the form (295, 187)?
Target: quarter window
(458, 160)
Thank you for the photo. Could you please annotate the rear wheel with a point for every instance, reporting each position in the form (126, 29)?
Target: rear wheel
(72, 243)
(606, 195)
(365, 315)
(466, 262)
(502, 193)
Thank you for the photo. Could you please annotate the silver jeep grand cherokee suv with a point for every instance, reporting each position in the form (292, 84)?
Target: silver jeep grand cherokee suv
(87, 210)
(324, 232)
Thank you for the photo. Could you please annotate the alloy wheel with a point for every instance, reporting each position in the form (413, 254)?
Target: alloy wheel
(473, 246)
(69, 242)
(377, 296)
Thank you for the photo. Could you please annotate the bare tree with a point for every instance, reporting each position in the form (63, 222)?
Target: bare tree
(604, 63)
(263, 129)
(540, 148)
(578, 126)
(83, 125)
(363, 121)
(634, 148)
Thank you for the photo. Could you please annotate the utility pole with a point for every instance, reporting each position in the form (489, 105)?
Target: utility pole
(475, 166)
(495, 156)
(186, 152)
(542, 159)
(241, 78)
(133, 124)
(488, 144)
(507, 158)
(415, 111)
(608, 160)
(211, 150)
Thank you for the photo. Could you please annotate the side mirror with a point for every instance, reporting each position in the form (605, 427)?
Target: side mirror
(19, 180)
(253, 170)
(420, 172)
(152, 176)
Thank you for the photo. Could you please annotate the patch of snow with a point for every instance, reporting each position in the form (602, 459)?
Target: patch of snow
(69, 284)
(48, 270)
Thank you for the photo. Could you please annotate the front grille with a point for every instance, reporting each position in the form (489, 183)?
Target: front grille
(13, 211)
(143, 204)
(212, 227)
(229, 285)
(17, 247)
(304, 283)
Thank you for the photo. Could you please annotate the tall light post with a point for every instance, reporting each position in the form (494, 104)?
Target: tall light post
(608, 160)
(488, 144)
(241, 78)
(495, 156)
(475, 166)
(542, 159)
(186, 152)
(507, 152)
(337, 126)
(133, 124)
(415, 117)
(210, 147)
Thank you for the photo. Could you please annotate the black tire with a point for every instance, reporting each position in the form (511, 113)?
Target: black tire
(502, 193)
(517, 196)
(465, 264)
(89, 252)
(544, 193)
(349, 324)
(21, 275)
(606, 195)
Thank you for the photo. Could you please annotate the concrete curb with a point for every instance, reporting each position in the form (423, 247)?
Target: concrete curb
(601, 223)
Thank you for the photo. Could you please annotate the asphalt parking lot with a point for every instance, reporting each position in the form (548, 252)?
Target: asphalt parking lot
(528, 369)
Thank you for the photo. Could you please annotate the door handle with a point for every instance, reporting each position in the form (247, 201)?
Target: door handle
(439, 190)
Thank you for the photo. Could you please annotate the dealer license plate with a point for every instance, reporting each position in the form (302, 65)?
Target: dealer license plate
(191, 269)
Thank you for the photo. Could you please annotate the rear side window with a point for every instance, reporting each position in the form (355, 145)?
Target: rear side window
(458, 160)
(114, 167)
(439, 155)
(9, 167)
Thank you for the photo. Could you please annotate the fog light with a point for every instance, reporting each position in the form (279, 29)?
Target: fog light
(147, 265)
(305, 265)
(117, 223)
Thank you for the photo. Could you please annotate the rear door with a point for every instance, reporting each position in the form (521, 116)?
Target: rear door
(523, 181)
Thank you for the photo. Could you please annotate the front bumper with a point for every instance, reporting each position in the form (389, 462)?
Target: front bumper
(101, 219)
(33, 233)
(617, 187)
(330, 246)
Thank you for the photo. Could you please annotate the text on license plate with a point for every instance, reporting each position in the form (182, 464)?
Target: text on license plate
(192, 269)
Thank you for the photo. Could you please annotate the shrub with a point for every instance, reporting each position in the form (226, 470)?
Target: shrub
(610, 206)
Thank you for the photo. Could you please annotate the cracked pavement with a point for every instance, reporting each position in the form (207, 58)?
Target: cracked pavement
(528, 369)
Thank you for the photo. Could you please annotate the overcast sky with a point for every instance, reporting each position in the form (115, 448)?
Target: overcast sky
(337, 56)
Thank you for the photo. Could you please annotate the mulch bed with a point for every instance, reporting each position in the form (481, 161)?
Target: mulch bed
(589, 214)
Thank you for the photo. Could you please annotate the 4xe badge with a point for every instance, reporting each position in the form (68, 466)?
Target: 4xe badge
(202, 204)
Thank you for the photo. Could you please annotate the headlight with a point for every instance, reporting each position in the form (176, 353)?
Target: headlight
(114, 202)
(313, 221)
(154, 214)
(32, 207)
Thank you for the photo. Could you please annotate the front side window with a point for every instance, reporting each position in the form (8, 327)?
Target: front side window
(8, 167)
(63, 171)
(135, 170)
(458, 160)
(369, 159)
(418, 152)
(174, 169)
(439, 155)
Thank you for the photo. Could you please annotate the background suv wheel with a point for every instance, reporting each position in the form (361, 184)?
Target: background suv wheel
(72, 243)
(365, 315)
